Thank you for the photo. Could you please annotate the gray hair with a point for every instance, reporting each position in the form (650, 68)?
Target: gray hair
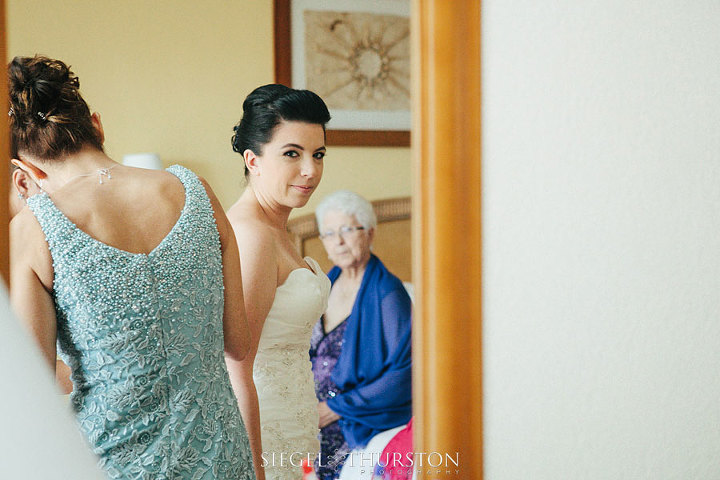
(349, 203)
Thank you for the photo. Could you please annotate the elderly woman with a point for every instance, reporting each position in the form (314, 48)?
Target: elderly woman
(360, 348)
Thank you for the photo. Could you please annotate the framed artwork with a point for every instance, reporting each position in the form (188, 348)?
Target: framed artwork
(356, 56)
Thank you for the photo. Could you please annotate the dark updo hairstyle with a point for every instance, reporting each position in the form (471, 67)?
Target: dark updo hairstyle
(48, 117)
(267, 106)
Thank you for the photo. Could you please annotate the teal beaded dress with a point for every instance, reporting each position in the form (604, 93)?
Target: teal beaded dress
(143, 336)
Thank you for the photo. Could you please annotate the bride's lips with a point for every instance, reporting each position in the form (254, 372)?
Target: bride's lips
(306, 189)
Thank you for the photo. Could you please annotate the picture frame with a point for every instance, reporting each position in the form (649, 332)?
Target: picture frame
(350, 125)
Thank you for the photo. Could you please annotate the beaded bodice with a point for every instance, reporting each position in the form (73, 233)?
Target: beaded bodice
(142, 334)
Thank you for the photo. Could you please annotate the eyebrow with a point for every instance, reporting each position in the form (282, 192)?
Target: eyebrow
(299, 147)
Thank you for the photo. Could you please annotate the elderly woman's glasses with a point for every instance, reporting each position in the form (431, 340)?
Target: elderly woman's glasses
(343, 232)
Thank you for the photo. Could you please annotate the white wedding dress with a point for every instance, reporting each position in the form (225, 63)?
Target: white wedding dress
(283, 374)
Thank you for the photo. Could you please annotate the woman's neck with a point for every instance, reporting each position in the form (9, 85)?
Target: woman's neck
(268, 210)
(354, 274)
(85, 162)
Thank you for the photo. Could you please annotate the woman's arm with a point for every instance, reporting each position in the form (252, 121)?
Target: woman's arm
(236, 331)
(244, 388)
(259, 272)
(31, 283)
(390, 391)
(326, 415)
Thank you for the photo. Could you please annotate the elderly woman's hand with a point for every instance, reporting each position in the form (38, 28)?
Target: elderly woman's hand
(327, 416)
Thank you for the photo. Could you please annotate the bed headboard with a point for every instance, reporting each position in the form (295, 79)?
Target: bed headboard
(392, 237)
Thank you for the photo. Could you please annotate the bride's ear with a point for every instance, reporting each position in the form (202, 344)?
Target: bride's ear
(251, 162)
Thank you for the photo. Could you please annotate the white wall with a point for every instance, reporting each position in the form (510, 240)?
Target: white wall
(602, 239)
(39, 440)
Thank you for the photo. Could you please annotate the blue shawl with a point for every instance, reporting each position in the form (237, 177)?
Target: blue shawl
(373, 372)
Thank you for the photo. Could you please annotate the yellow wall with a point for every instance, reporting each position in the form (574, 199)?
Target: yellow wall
(170, 77)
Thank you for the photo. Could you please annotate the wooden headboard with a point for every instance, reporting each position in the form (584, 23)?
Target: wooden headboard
(392, 237)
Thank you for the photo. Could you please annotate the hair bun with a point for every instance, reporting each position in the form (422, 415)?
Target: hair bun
(38, 84)
(49, 116)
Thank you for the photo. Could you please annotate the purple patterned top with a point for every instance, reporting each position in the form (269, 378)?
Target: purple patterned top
(324, 352)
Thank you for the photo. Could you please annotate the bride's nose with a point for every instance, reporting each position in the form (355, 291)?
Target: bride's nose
(309, 168)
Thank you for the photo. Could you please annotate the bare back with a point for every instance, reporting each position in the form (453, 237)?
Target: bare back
(132, 211)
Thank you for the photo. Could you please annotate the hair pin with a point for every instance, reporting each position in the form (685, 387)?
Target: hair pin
(11, 112)
(42, 115)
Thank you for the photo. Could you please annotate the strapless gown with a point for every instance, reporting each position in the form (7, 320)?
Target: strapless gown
(283, 373)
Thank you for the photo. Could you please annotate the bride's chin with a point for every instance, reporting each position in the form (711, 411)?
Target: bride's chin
(297, 203)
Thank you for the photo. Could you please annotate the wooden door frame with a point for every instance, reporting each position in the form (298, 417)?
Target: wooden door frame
(446, 150)
(5, 149)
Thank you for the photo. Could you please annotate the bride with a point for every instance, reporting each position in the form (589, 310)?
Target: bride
(282, 140)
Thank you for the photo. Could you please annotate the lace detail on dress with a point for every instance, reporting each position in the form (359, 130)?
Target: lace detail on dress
(283, 374)
(325, 350)
(143, 336)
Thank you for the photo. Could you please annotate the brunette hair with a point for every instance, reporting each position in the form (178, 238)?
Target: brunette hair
(267, 106)
(48, 116)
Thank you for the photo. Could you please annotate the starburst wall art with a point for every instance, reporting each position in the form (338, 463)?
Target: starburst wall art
(356, 55)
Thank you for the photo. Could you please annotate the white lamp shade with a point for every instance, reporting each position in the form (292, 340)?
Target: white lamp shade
(143, 160)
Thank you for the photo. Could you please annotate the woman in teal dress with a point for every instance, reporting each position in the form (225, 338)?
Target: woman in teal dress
(126, 271)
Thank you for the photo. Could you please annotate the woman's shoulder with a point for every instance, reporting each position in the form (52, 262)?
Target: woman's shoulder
(247, 223)
(253, 236)
(28, 241)
(163, 181)
(388, 281)
(163, 178)
(25, 225)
